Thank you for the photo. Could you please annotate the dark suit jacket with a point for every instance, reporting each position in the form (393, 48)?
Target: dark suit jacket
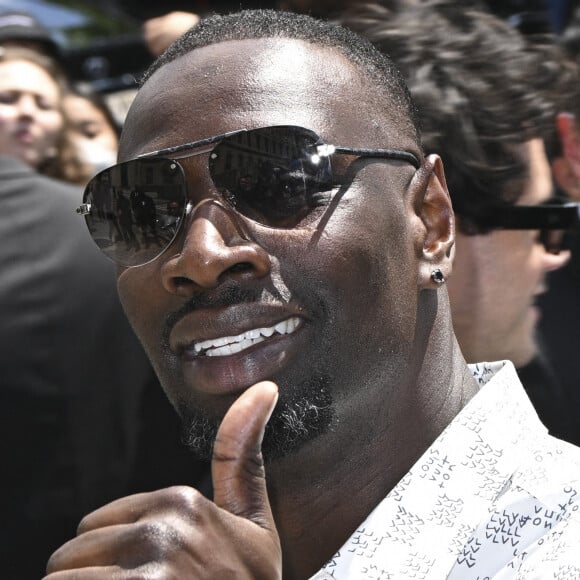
(72, 374)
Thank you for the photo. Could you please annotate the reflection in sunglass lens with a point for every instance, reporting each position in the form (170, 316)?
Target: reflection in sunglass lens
(136, 208)
(272, 175)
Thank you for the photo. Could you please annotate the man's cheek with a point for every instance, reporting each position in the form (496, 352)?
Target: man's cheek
(135, 301)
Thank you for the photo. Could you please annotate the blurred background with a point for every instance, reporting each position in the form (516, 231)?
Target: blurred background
(102, 43)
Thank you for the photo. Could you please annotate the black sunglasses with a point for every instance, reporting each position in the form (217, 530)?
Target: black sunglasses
(275, 176)
(555, 221)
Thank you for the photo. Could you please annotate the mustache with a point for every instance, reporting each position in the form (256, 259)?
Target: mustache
(226, 294)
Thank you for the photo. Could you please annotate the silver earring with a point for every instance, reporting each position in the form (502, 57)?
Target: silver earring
(437, 276)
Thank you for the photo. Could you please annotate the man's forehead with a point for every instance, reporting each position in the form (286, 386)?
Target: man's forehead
(256, 82)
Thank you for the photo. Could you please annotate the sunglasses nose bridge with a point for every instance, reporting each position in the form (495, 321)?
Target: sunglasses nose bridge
(215, 246)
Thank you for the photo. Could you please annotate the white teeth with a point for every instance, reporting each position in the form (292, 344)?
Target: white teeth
(281, 327)
(227, 345)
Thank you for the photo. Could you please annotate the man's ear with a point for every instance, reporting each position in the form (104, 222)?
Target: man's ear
(566, 169)
(565, 177)
(435, 223)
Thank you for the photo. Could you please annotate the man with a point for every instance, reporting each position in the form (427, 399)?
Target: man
(474, 81)
(334, 289)
(559, 324)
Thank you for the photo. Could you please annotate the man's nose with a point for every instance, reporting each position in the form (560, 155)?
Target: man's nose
(215, 247)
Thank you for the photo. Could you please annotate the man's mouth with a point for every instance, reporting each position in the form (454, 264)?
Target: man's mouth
(228, 345)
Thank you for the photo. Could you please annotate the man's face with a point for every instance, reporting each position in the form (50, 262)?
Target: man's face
(498, 276)
(327, 309)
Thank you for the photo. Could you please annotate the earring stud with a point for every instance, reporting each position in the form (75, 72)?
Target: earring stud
(437, 276)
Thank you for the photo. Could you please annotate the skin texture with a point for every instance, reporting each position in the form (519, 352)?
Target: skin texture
(30, 117)
(498, 277)
(358, 276)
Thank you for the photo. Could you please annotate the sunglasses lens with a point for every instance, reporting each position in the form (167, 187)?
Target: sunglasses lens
(136, 209)
(272, 175)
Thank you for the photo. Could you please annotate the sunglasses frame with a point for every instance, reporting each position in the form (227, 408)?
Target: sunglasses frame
(207, 145)
(395, 154)
(544, 217)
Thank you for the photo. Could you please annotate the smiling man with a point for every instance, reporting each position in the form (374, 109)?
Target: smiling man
(312, 250)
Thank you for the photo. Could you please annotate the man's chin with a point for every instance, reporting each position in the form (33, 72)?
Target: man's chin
(296, 420)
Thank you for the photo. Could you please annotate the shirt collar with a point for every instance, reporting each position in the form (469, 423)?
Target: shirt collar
(470, 464)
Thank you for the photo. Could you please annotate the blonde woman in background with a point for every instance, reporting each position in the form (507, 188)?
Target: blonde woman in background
(32, 125)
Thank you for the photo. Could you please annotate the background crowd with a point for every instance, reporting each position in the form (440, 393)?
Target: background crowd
(83, 419)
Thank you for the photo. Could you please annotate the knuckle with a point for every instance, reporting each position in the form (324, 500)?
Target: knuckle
(183, 498)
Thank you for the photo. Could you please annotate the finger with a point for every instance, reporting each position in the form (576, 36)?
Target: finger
(104, 547)
(133, 508)
(237, 468)
(127, 546)
(93, 573)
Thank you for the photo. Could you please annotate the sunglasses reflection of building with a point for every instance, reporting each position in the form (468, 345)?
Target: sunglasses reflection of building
(250, 157)
(135, 199)
(267, 170)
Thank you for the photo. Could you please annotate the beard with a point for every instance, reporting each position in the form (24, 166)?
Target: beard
(299, 417)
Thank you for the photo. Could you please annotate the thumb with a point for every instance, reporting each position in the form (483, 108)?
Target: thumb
(239, 480)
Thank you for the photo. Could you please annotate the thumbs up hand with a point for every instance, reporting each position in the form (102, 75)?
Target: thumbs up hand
(177, 532)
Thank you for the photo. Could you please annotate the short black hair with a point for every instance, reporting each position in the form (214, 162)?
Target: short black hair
(257, 24)
(473, 78)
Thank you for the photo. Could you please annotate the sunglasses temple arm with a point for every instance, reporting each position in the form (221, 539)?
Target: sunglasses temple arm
(192, 145)
(397, 154)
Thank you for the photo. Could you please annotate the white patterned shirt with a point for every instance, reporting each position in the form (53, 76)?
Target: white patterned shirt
(494, 497)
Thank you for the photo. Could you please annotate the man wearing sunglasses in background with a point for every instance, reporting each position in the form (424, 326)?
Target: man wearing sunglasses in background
(474, 81)
(324, 271)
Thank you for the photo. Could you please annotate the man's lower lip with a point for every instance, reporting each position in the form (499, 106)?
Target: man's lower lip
(221, 375)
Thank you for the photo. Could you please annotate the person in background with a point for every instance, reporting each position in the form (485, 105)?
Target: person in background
(31, 90)
(559, 325)
(377, 452)
(75, 385)
(474, 80)
(23, 30)
(92, 135)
